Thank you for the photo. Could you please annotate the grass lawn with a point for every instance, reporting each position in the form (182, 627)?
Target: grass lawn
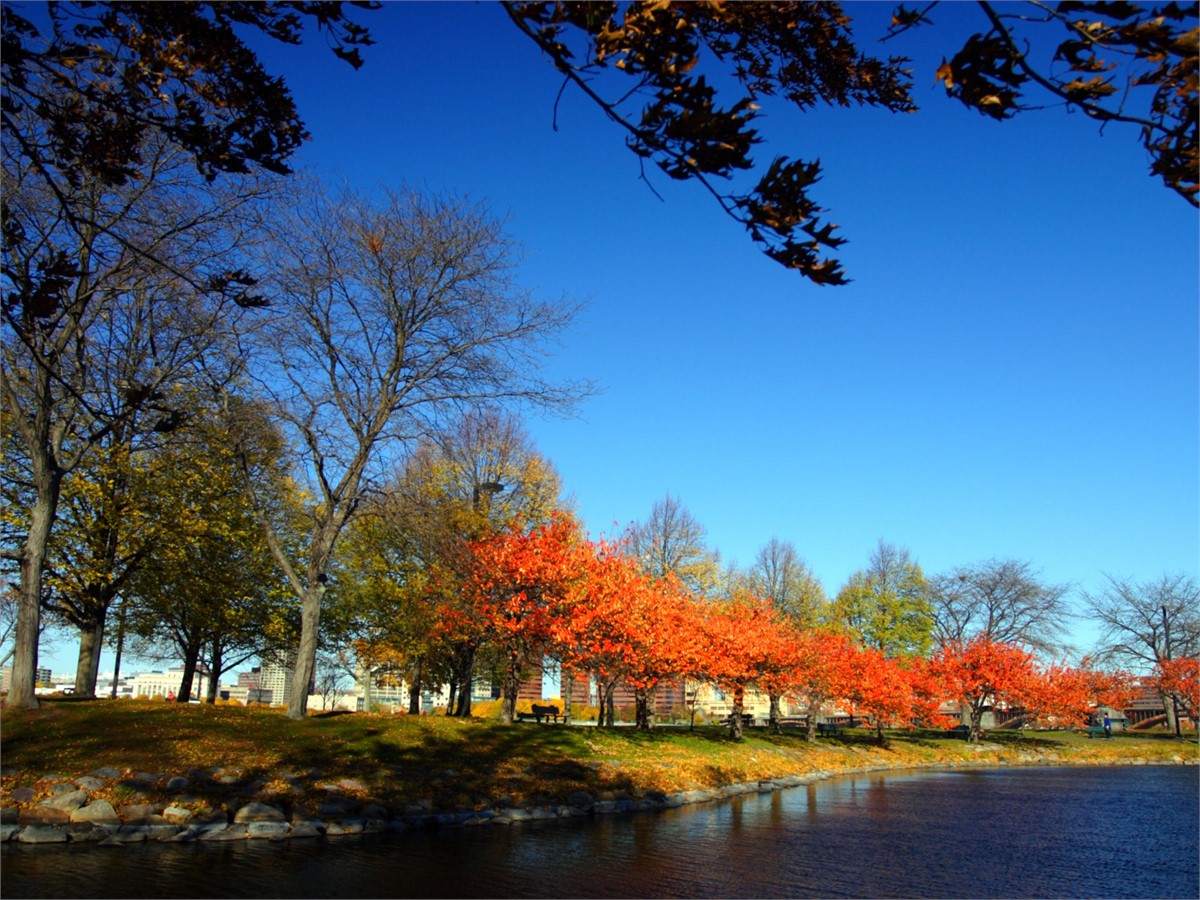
(455, 764)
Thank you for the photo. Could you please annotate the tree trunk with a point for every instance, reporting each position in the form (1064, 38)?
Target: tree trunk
(414, 689)
(214, 673)
(641, 700)
(568, 684)
(609, 708)
(735, 717)
(306, 654)
(191, 657)
(120, 649)
(773, 717)
(21, 693)
(976, 723)
(87, 669)
(466, 679)
(810, 727)
(512, 686)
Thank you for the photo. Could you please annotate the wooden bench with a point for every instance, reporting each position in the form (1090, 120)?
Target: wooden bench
(538, 713)
(828, 728)
(747, 719)
(1098, 731)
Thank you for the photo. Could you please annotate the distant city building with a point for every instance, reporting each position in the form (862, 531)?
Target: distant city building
(163, 684)
(269, 683)
(43, 675)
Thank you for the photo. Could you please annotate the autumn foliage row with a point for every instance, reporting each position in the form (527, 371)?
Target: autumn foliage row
(550, 591)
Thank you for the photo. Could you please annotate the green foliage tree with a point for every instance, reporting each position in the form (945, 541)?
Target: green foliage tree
(93, 99)
(208, 590)
(886, 606)
(405, 560)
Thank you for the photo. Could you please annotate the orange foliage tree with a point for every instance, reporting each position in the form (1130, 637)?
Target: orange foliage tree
(822, 670)
(620, 625)
(980, 673)
(1070, 695)
(521, 581)
(742, 649)
(1179, 679)
(893, 692)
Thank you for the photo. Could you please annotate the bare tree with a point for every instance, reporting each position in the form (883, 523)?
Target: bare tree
(388, 314)
(1143, 624)
(672, 542)
(1001, 599)
(90, 349)
(780, 574)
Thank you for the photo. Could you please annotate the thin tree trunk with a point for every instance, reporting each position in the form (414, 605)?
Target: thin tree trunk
(120, 649)
(735, 718)
(214, 673)
(568, 684)
(773, 716)
(414, 689)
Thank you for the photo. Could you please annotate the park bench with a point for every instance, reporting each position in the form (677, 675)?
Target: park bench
(962, 731)
(747, 719)
(537, 713)
(828, 728)
(1095, 731)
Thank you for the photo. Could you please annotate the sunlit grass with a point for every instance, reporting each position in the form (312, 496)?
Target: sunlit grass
(456, 764)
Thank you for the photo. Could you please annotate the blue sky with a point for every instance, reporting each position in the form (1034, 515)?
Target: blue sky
(1012, 373)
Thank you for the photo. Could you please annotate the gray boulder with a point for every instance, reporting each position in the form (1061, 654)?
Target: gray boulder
(224, 833)
(177, 815)
(86, 832)
(267, 830)
(41, 834)
(43, 815)
(69, 801)
(307, 828)
(258, 812)
(90, 783)
(98, 812)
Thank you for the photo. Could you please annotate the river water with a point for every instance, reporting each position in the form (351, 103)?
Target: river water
(1035, 832)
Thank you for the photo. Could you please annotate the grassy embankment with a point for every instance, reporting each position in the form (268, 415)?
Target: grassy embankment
(455, 764)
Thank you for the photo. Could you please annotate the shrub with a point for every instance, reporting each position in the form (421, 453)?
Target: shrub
(486, 709)
(584, 713)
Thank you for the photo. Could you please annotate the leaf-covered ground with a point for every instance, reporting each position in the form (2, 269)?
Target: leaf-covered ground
(454, 764)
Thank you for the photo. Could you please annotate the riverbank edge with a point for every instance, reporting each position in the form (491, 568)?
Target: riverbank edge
(68, 818)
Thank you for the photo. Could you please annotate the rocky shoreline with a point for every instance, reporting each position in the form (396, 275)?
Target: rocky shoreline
(77, 810)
